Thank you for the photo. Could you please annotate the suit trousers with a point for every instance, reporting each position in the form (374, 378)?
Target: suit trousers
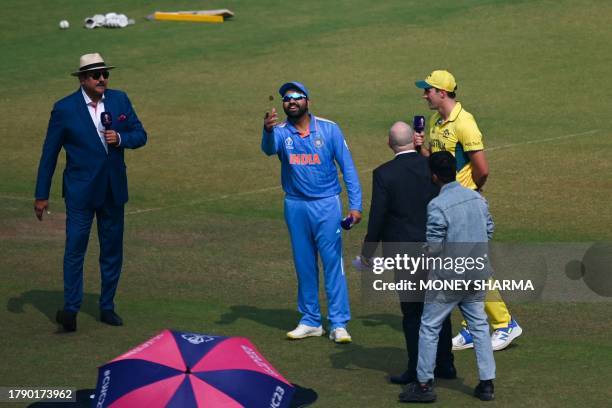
(473, 312)
(110, 223)
(412, 310)
(411, 322)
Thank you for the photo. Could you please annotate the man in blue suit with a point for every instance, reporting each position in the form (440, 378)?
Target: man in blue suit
(94, 125)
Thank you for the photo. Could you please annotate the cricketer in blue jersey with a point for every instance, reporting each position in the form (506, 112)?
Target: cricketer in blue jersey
(309, 147)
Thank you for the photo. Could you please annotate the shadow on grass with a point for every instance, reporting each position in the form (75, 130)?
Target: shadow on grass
(82, 400)
(382, 319)
(355, 357)
(303, 397)
(49, 301)
(282, 319)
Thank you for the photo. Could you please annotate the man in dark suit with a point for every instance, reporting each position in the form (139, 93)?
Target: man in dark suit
(401, 190)
(94, 180)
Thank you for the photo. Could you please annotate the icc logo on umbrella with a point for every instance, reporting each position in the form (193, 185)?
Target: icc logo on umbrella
(197, 338)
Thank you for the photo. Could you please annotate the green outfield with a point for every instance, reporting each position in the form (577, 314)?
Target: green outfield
(206, 247)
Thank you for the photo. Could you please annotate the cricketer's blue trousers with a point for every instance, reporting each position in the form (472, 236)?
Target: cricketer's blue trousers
(110, 234)
(314, 228)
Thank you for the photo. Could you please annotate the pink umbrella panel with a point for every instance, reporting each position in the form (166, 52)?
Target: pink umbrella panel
(179, 369)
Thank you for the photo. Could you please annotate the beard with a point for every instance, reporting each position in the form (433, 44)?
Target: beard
(295, 114)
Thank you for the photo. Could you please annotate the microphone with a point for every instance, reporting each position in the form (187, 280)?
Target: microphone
(107, 120)
(418, 124)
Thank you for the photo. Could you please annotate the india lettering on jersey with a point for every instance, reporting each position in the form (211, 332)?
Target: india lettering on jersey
(304, 159)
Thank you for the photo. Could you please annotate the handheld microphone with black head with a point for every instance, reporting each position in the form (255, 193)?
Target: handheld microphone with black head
(107, 120)
(418, 124)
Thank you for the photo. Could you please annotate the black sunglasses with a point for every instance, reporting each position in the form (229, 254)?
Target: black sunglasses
(96, 75)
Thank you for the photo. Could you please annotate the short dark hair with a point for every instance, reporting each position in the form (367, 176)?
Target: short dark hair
(444, 166)
(450, 94)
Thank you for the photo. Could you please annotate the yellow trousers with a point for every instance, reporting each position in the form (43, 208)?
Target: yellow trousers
(496, 310)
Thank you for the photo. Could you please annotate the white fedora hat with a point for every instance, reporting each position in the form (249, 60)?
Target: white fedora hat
(91, 62)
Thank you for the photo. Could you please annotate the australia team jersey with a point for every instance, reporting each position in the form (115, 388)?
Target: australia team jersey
(308, 161)
(458, 135)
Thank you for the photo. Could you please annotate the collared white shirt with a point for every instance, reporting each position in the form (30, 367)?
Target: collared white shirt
(404, 152)
(95, 109)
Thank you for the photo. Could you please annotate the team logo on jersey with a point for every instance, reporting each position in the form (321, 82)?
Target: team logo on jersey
(318, 142)
(446, 134)
(304, 159)
(437, 145)
(289, 143)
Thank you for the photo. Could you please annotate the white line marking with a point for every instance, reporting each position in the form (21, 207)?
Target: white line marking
(550, 139)
(196, 202)
(265, 189)
(17, 198)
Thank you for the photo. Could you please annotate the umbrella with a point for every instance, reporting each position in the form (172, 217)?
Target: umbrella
(178, 369)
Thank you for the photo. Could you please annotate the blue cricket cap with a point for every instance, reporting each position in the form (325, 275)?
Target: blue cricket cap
(292, 85)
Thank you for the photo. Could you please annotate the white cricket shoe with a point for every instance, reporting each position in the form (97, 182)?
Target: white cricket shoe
(502, 338)
(302, 331)
(463, 340)
(340, 335)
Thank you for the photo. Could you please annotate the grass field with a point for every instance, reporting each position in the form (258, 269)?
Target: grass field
(206, 247)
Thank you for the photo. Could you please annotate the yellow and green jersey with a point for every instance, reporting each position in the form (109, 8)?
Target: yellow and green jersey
(457, 135)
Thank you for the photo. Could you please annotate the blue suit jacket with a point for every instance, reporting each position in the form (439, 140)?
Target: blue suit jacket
(90, 170)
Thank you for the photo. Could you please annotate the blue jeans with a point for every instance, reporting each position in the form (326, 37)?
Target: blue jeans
(431, 322)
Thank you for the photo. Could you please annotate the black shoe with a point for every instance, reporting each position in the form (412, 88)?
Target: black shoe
(485, 390)
(447, 373)
(110, 317)
(67, 319)
(417, 392)
(403, 378)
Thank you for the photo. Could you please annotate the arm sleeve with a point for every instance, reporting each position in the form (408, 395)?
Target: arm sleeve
(437, 224)
(268, 142)
(378, 210)
(349, 172)
(469, 135)
(48, 160)
(437, 227)
(135, 135)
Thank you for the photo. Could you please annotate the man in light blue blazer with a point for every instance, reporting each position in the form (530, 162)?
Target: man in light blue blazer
(94, 125)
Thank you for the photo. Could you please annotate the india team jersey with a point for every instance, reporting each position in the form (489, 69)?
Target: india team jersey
(458, 135)
(308, 161)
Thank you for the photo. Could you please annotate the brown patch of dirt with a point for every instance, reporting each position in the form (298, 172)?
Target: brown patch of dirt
(168, 238)
(51, 228)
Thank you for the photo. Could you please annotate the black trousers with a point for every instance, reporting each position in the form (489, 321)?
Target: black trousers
(412, 309)
(411, 323)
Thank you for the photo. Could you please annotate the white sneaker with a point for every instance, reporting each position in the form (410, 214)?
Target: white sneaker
(340, 335)
(302, 331)
(463, 340)
(502, 338)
